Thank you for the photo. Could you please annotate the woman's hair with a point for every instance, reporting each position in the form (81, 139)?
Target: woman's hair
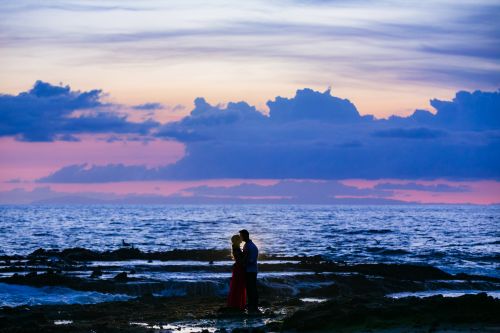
(235, 248)
(235, 240)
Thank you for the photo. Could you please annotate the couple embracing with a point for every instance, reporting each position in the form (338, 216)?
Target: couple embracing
(243, 285)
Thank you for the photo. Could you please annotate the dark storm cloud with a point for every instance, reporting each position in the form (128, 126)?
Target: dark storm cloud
(318, 136)
(47, 113)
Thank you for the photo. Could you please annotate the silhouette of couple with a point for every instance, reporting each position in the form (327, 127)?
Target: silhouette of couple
(243, 285)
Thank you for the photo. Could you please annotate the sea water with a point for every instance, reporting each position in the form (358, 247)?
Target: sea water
(451, 237)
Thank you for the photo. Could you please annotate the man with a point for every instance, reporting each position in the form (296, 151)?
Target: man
(250, 254)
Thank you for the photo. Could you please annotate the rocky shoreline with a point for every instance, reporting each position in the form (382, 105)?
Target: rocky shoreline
(185, 290)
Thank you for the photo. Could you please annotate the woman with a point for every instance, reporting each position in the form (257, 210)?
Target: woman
(237, 291)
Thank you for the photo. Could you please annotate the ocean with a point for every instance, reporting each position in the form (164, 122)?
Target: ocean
(451, 237)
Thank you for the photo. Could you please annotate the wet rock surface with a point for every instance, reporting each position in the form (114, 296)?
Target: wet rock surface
(409, 314)
(128, 253)
(187, 288)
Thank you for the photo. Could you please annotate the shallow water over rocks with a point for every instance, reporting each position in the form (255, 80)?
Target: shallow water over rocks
(15, 295)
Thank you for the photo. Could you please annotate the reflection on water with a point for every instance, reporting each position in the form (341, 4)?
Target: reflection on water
(313, 300)
(444, 293)
(456, 238)
(176, 328)
(206, 325)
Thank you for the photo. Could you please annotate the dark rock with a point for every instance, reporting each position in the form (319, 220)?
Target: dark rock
(96, 272)
(225, 311)
(129, 253)
(121, 277)
(77, 253)
(292, 302)
(265, 303)
(403, 271)
(38, 252)
(370, 313)
(274, 326)
(330, 290)
(471, 277)
(77, 283)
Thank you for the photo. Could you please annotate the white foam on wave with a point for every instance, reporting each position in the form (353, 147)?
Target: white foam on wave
(15, 295)
(313, 300)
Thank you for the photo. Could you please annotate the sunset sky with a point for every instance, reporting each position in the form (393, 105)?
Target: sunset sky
(257, 101)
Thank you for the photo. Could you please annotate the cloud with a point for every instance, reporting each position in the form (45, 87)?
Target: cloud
(437, 188)
(476, 110)
(283, 192)
(308, 104)
(84, 173)
(318, 136)
(148, 106)
(47, 112)
(444, 43)
(311, 136)
(409, 133)
(303, 191)
(46, 195)
(70, 7)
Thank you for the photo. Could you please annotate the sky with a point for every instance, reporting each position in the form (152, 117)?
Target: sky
(260, 101)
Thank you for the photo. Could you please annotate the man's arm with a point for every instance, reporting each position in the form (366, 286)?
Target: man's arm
(252, 256)
(245, 255)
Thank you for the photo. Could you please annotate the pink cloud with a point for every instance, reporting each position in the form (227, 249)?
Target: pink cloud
(480, 192)
(31, 160)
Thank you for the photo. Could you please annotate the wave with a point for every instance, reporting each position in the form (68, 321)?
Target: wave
(198, 288)
(389, 252)
(368, 231)
(12, 295)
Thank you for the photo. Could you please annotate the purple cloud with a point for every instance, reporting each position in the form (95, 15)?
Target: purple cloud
(441, 188)
(47, 113)
(409, 133)
(284, 192)
(148, 106)
(317, 136)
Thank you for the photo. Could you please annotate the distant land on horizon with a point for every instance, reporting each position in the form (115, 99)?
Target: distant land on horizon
(331, 192)
(152, 199)
(61, 198)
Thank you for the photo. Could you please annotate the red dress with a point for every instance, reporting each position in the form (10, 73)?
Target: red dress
(237, 287)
